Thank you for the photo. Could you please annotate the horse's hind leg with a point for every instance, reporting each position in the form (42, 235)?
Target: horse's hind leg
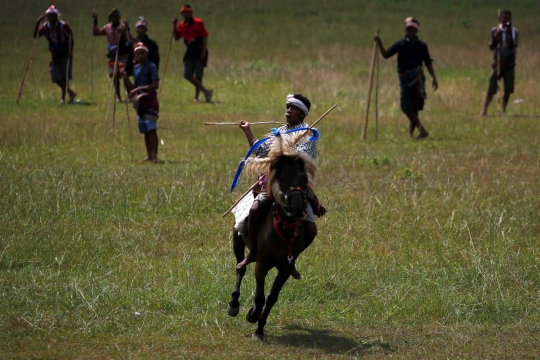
(238, 248)
(281, 279)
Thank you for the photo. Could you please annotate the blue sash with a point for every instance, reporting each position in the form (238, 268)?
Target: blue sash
(258, 143)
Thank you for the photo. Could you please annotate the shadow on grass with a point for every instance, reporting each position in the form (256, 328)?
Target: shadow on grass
(329, 342)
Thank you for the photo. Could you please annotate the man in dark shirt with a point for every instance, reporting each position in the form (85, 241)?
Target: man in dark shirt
(141, 26)
(503, 40)
(411, 54)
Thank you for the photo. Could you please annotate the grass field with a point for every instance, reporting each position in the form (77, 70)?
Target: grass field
(430, 248)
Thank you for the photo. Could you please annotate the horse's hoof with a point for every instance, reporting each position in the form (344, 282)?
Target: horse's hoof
(232, 311)
(249, 318)
(258, 337)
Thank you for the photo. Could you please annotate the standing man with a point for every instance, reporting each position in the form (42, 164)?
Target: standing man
(503, 41)
(114, 43)
(141, 27)
(145, 100)
(411, 53)
(58, 34)
(196, 56)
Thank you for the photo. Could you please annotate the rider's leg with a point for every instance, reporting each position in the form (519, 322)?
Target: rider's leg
(255, 212)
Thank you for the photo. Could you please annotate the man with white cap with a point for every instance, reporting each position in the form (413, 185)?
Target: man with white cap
(144, 94)
(297, 108)
(58, 34)
(411, 54)
(141, 26)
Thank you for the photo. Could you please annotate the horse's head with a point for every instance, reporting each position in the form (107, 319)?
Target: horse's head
(289, 185)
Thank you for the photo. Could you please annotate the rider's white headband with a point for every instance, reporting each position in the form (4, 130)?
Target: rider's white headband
(294, 101)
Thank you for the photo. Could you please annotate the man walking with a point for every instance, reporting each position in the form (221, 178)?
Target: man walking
(196, 56)
(141, 26)
(118, 37)
(145, 101)
(503, 41)
(60, 38)
(411, 54)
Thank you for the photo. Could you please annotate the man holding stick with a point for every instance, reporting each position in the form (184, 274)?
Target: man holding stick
(145, 101)
(118, 37)
(297, 108)
(503, 41)
(411, 54)
(141, 26)
(60, 38)
(195, 36)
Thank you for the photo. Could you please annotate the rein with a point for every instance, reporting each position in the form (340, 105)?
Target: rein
(281, 225)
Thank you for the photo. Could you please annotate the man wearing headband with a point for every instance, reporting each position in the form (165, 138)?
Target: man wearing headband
(297, 108)
(58, 34)
(145, 101)
(141, 26)
(503, 41)
(411, 54)
(195, 36)
(115, 42)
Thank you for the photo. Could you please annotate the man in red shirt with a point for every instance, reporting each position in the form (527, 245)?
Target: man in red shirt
(60, 38)
(195, 36)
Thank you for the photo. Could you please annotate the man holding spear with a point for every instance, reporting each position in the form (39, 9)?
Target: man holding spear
(297, 108)
(145, 101)
(411, 54)
(195, 36)
(60, 38)
(503, 41)
(115, 43)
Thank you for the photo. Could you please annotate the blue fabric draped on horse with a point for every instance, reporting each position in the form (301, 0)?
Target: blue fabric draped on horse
(281, 237)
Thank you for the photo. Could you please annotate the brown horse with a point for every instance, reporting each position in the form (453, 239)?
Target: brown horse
(281, 235)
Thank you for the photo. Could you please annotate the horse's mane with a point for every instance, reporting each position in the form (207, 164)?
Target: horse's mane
(283, 146)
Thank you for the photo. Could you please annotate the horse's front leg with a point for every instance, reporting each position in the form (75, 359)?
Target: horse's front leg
(233, 308)
(281, 279)
(261, 270)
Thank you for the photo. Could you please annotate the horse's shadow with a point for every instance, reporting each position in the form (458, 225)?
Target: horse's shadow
(329, 342)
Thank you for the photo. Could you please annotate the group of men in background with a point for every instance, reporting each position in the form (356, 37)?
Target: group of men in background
(126, 58)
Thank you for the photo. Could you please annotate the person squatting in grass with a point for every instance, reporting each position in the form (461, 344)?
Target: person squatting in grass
(503, 40)
(58, 34)
(141, 26)
(411, 53)
(297, 108)
(144, 94)
(111, 31)
(196, 56)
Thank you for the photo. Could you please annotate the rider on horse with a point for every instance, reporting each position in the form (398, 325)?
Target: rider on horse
(297, 109)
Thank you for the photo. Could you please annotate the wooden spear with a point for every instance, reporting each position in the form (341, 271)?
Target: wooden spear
(297, 140)
(364, 129)
(67, 67)
(129, 124)
(113, 78)
(236, 123)
(169, 51)
(26, 71)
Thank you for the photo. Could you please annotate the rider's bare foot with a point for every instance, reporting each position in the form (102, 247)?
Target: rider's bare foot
(145, 159)
(295, 274)
(242, 264)
(155, 160)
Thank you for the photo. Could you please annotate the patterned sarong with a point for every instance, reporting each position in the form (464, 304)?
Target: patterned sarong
(147, 106)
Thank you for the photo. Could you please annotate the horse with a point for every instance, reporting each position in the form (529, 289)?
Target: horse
(280, 238)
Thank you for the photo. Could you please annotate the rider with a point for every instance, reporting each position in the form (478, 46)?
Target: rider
(297, 109)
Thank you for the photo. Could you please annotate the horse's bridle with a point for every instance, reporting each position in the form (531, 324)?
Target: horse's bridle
(293, 191)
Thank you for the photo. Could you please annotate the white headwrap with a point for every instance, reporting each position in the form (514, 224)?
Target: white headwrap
(294, 101)
(52, 10)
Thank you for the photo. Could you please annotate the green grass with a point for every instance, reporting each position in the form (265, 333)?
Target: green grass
(430, 248)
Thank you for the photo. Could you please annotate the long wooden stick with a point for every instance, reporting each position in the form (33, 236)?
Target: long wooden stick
(498, 67)
(377, 99)
(236, 123)
(168, 53)
(129, 124)
(297, 140)
(67, 67)
(92, 67)
(27, 69)
(113, 76)
(364, 129)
